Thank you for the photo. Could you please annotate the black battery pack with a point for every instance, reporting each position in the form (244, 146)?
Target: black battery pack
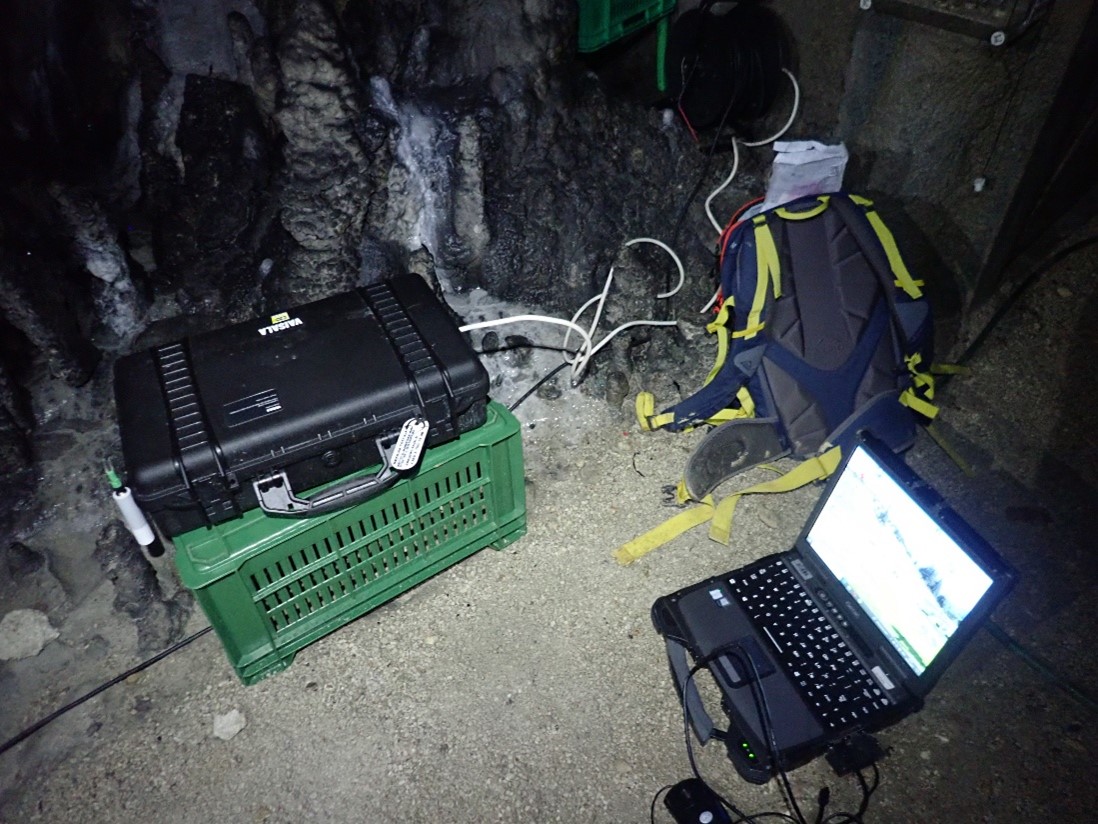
(258, 412)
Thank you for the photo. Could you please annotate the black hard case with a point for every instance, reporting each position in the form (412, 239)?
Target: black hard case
(306, 392)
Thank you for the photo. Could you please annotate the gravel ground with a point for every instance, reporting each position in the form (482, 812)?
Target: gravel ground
(527, 683)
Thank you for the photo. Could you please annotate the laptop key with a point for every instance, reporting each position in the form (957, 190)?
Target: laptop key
(822, 665)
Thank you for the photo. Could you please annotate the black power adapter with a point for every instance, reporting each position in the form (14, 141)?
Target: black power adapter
(692, 801)
(853, 753)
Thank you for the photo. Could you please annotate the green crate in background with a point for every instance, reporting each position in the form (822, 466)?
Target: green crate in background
(271, 586)
(601, 22)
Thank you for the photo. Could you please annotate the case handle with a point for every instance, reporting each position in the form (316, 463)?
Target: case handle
(702, 724)
(276, 496)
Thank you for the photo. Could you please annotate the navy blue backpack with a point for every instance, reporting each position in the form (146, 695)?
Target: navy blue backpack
(823, 333)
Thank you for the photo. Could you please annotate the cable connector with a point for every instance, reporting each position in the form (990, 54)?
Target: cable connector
(131, 513)
(112, 476)
(853, 753)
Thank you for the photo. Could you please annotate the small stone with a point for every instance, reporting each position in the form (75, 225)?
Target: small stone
(490, 341)
(1063, 291)
(23, 634)
(21, 560)
(768, 518)
(617, 388)
(549, 391)
(228, 725)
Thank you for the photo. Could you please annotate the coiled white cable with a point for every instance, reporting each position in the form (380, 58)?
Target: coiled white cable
(792, 113)
(736, 152)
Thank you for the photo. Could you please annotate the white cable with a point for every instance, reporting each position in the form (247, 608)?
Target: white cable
(792, 114)
(484, 324)
(736, 164)
(674, 257)
(588, 349)
(709, 304)
(754, 144)
(723, 186)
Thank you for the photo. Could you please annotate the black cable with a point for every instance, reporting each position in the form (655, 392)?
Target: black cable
(763, 709)
(867, 793)
(1004, 638)
(1022, 287)
(742, 817)
(732, 808)
(53, 716)
(685, 208)
(736, 56)
(511, 347)
(655, 798)
(537, 386)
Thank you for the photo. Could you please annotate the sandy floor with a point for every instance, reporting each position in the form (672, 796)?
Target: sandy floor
(528, 684)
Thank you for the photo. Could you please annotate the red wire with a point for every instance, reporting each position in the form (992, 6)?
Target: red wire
(689, 125)
(728, 230)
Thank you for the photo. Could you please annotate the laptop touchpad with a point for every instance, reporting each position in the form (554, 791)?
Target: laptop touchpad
(744, 662)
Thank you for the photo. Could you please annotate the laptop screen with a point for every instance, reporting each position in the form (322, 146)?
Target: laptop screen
(908, 574)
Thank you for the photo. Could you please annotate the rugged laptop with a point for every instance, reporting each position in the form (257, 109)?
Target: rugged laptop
(844, 633)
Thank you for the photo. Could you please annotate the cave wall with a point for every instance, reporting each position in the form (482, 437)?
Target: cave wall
(209, 159)
(940, 126)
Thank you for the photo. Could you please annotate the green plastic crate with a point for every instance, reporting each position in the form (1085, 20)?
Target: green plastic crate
(601, 22)
(271, 586)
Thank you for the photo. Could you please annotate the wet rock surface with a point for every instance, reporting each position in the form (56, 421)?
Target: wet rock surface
(137, 591)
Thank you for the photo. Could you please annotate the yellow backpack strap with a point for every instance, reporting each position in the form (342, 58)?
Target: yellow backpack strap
(766, 256)
(719, 327)
(649, 421)
(813, 469)
(807, 213)
(668, 530)
(767, 251)
(720, 529)
(919, 395)
(935, 432)
(904, 280)
(948, 369)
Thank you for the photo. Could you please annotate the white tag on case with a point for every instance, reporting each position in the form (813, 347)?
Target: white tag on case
(409, 445)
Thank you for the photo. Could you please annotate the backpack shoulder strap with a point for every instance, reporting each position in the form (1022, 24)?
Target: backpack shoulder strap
(724, 395)
(920, 393)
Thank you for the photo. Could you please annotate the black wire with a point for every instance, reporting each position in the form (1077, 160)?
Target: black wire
(1004, 638)
(763, 709)
(1008, 304)
(867, 793)
(739, 53)
(1008, 109)
(510, 347)
(53, 716)
(732, 808)
(537, 386)
(685, 208)
(655, 798)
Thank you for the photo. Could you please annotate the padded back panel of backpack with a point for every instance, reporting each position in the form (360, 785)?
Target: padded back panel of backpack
(833, 346)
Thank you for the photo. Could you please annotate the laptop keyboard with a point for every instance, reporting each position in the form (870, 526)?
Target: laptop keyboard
(823, 666)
